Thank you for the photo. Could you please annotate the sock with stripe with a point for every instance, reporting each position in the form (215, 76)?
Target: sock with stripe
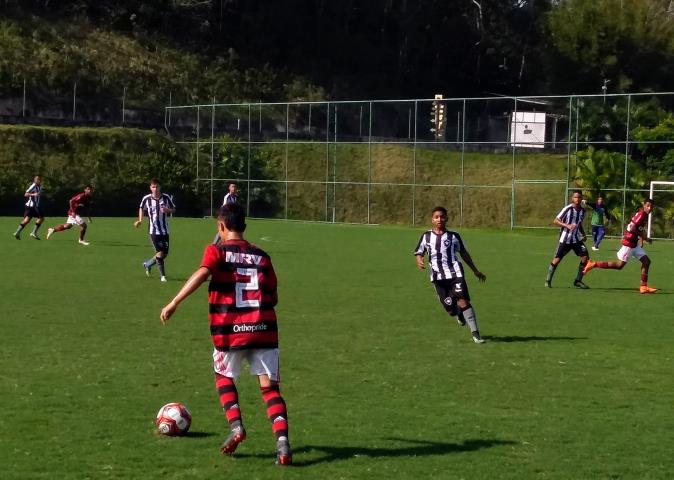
(21, 227)
(469, 316)
(160, 266)
(276, 410)
(551, 272)
(581, 267)
(36, 227)
(149, 263)
(229, 399)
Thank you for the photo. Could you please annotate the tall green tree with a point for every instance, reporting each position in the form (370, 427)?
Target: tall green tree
(623, 45)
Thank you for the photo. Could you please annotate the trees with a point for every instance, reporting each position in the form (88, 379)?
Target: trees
(629, 43)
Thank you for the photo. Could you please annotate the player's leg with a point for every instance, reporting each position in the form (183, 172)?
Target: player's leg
(36, 227)
(623, 255)
(639, 253)
(562, 250)
(162, 245)
(444, 290)
(581, 251)
(264, 363)
(227, 366)
(601, 232)
(462, 298)
(83, 232)
(595, 237)
(58, 228)
(25, 221)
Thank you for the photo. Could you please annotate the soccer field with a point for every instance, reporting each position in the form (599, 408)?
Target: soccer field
(379, 381)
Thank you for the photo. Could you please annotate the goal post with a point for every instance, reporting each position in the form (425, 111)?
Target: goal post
(654, 188)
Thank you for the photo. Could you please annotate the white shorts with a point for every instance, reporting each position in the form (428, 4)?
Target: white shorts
(262, 361)
(625, 253)
(76, 220)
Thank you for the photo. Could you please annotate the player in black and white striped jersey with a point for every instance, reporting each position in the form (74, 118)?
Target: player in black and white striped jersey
(158, 206)
(443, 247)
(32, 209)
(571, 237)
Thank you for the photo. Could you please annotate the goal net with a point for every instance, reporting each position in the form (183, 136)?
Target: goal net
(661, 221)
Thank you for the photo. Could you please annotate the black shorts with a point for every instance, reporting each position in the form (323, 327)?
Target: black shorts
(578, 248)
(449, 291)
(32, 212)
(160, 243)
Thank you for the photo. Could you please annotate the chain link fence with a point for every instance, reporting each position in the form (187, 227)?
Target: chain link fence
(505, 162)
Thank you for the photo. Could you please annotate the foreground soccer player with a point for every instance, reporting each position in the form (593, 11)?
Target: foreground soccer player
(447, 275)
(242, 296)
(32, 209)
(78, 204)
(630, 247)
(158, 206)
(571, 237)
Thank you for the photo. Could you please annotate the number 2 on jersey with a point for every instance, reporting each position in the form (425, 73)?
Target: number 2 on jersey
(250, 285)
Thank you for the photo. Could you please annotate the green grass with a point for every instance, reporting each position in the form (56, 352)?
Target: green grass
(379, 382)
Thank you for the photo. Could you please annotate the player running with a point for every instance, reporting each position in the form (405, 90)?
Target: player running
(158, 206)
(79, 204)
(571, 237)
(635, 230)
(447, 274)
(242, 296)
(32, 209)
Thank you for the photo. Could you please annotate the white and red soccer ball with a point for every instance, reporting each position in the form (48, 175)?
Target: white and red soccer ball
(173, 419)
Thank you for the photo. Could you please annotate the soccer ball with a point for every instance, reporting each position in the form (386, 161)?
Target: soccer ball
(173, 419)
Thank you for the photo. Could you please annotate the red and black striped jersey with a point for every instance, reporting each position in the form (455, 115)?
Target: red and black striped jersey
(636, 225)
(78, 204)
(241, 296)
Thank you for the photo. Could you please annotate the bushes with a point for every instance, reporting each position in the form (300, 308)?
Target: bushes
(117, 162)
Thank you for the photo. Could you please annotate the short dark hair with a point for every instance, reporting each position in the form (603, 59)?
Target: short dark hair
(233, 216)
(89, 187)
(577, 191)
(154, 181)
(440, 209)
(649, 200)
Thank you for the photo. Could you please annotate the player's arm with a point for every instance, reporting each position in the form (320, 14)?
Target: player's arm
(569, 226)
(140, 218)
(420, 261)
(469, 261)
(194, 282)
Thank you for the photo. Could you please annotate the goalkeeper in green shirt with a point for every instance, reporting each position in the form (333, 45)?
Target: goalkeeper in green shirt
(599, 211)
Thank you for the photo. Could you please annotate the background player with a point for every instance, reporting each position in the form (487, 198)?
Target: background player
(231, 197)
(634, 231)
(232, 194)
(78, 205)
(242, 296)
(158, 206)
(447, 274)
(571, 237)
(599, 213)
(32, 209)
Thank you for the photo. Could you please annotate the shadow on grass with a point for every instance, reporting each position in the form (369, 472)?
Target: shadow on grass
(512, 339)
(199, 434)
(112, 243)
(419, 448)
(631, 290)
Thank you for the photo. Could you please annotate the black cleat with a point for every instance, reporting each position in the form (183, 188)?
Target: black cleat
(581, 285)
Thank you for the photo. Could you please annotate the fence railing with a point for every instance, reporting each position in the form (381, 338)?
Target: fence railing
(506, 162)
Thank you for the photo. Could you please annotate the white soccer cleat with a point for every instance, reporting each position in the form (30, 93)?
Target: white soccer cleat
(50, 232)
(83, 242)
(163, 279)
(477, 338)
(595, 249)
